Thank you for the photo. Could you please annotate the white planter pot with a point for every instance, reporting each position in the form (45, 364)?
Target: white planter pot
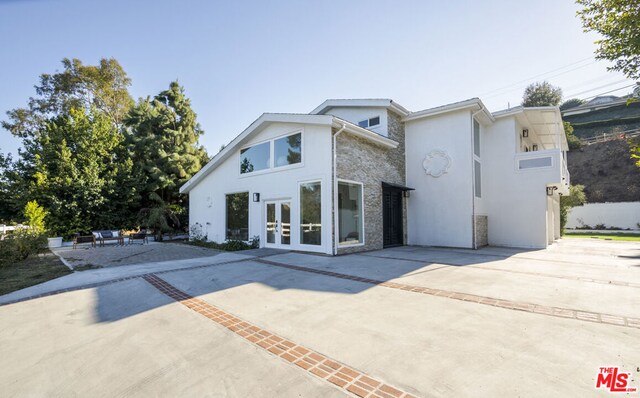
(55, 242)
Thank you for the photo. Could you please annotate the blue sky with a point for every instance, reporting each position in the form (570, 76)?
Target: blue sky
(237, 59)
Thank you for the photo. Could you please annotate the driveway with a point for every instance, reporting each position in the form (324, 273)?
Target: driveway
(410, 321)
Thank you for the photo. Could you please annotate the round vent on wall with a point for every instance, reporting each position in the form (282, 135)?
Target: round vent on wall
(436, 163)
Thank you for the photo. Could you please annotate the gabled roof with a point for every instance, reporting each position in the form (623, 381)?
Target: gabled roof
(268, 118)
(473, 103)
(360, 103)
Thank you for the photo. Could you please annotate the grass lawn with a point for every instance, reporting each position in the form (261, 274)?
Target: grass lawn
(35, 269)
(627, 237)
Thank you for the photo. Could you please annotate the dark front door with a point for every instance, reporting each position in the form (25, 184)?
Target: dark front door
(392, 217)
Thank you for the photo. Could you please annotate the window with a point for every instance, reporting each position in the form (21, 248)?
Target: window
(288, 150)
(374, 121)
(311, 213)
(255, 158)
(238, 216)
(349, 213)
(284, 151)
(534, 163)
(478, 178)
(476, 138)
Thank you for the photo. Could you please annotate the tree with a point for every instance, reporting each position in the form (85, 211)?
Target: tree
(572, 140)
(575, 198)
(103, 87)
(159, 216)
(617, 22)
(571, 103)
(6, 195)
(162, 137)
(541, 94)
(91, 101)
(35, 215)
(74, 172)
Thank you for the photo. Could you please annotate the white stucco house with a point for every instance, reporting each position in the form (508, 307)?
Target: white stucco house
(364, 174)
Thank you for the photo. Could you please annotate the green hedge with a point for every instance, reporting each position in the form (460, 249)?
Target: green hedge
(20, 245)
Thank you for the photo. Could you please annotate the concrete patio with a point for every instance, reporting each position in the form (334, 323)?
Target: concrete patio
(406, 321)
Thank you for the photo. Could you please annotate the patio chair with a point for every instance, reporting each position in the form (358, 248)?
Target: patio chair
(141, 236)
(81, 239)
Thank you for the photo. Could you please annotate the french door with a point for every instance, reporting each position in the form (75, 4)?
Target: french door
(278, 223)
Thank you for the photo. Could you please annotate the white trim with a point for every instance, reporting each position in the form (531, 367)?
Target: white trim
(308, 247)
(456, 106)
(336, 233)
(361, 103)
(272, 160)
(550, 153)
(278, 209)
(249, 198)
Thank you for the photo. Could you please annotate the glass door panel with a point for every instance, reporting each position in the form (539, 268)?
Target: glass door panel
(285, 222)
(271, 223)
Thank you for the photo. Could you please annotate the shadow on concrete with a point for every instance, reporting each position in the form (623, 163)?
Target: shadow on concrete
(115, 303)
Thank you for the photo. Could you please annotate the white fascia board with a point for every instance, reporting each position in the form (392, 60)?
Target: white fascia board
(360, 103)
(256, 126)
(456, 106)
(364, 133)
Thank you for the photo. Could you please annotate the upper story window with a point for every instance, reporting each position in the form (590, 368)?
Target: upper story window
(275, 153)
(374, 121)
(476, 138)
(255, 158)
(288, 150)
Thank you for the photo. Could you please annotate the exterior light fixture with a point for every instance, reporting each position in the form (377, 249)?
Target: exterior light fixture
(406, 194)
(525, 133)
(256, 197)
(550, 190)
(535, 147)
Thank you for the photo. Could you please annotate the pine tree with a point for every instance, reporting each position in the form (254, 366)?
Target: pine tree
(163, 141)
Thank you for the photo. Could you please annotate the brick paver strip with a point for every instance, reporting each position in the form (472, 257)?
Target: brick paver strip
(508, 304)
(116, 280)
(330, 370)
(513, 271)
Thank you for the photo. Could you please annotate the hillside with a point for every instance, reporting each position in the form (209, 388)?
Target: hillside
(614, 119)
(607, 172)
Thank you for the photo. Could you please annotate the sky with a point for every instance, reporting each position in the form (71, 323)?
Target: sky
(238, 59)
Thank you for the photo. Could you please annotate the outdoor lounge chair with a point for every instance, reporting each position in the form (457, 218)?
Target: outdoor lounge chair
(104, 236)
(141, 236)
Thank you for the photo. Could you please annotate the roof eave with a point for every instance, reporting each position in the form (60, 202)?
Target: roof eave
(457, 106)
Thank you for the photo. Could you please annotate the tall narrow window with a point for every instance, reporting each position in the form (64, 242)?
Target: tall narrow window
(476, 138)
(477, 178)
(237, 216)
(311, 213)
(349, 213)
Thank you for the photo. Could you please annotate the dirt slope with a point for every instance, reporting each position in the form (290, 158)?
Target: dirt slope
(607, 172)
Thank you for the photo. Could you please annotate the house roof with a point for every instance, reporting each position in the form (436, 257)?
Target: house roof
(361, 103)
(596, 104)
(473, 103)
(268, 118)
(546, 121)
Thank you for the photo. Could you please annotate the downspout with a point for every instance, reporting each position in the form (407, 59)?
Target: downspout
(334, 189)
(473, 188)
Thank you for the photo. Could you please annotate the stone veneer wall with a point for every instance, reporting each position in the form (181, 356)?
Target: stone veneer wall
(482, 231)
(361, 161)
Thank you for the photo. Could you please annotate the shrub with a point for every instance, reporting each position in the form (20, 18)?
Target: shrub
(20, 245)
(575, 198)
(229, 246)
